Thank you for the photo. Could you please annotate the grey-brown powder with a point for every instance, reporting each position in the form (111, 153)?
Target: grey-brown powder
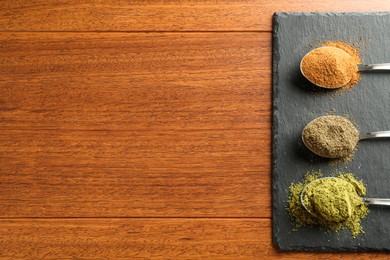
(331, 136)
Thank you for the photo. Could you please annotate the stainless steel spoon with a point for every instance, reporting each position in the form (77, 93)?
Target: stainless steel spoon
(361, 67)
(362, 136)
(368, 67)
(368, 201)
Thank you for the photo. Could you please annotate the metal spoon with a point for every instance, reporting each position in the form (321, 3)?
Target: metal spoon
(361, 67)
(368, 67)
(362, 136)
(368, 201)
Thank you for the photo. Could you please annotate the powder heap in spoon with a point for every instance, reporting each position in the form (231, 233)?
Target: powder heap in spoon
(331, 136)
(336, 202)
(332, 66)
(332, 199)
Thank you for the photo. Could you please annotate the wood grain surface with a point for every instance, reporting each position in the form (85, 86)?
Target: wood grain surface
(88, 131)
(155, 238)
(140, 129)
(162, 15)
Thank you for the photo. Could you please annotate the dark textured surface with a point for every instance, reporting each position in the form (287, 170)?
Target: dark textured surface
(296, 102)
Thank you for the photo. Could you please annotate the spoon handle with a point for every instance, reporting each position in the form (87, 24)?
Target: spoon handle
(376, 201)
(380, 134)
(382, 66)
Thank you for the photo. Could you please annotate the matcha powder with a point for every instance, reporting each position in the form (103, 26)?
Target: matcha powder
(335, 202)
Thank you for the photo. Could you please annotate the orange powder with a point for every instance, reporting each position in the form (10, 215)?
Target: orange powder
(333, 65)
(355, 59)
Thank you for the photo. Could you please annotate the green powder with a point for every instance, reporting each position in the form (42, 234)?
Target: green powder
(335, 202)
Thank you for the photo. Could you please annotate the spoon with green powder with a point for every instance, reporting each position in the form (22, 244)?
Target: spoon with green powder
(335, 136)
(335, 199)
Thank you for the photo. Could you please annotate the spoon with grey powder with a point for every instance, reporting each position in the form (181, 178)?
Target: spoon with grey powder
(335, 136)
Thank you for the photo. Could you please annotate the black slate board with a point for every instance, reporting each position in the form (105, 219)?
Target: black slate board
(296, 102)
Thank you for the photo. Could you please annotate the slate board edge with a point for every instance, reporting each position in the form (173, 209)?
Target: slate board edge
(274, 127)
(276, 15)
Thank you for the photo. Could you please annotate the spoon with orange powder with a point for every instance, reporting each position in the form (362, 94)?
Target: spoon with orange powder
(335, 65)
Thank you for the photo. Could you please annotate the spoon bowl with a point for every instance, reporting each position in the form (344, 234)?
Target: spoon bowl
(368, 201)
(303, 194)
(323, 67)
(330, 136)
(344, 148)
(360, 68)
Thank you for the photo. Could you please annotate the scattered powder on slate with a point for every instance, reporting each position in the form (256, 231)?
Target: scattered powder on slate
(336, 203)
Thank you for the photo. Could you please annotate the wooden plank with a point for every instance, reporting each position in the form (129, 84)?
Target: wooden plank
(119, 124)
(161, 15)
(110, 174)
(146, 238)
(125, 81)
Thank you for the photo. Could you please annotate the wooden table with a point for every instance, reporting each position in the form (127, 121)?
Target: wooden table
(140, 129)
